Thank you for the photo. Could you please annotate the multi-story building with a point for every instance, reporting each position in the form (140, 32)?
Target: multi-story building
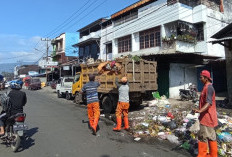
(175, 33)
(89, 42)
(47, 63)
(62, 47)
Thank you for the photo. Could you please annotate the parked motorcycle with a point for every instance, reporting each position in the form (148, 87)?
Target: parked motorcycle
(15, 130)
(189, 94)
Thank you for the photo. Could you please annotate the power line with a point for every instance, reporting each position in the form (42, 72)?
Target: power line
(89, 12)
(67, 24)
(69, 18)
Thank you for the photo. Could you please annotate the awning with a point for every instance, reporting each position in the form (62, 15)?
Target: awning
(86, 42)
(220, 40)
(180, 57)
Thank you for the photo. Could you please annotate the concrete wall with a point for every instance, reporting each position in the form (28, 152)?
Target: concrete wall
(180, 77)
(227, 10)
(71, 39)
(215, 22)
(106, 37)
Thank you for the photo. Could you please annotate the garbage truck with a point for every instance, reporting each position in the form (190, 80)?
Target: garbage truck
(141, 74)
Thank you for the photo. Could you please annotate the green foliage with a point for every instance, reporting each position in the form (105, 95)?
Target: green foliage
(136, 58)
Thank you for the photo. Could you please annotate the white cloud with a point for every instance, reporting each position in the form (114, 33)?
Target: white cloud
(15, 48)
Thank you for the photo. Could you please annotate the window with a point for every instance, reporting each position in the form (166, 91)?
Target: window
(150, 38)
(125, 18)
(200, 31)
(77, 78)
(124, 44)
(108, 48)
(68, 80)
(81, 52)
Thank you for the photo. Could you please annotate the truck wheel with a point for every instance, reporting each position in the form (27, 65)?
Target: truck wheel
(78, 98)
(58, 94)
(107, 105)
(68, 96)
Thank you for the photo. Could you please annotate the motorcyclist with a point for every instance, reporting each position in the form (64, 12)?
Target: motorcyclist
(17, 100)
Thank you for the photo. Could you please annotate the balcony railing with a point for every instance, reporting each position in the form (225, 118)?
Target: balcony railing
(91, 35)
(213, 4)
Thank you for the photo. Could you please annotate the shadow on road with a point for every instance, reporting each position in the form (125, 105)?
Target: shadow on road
(28, 142)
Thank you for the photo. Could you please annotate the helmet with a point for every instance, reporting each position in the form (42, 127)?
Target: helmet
(15, 86)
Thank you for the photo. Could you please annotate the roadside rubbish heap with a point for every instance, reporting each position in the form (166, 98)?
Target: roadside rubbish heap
(178, 125)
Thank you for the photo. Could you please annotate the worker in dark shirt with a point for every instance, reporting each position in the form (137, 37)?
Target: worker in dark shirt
(90, 89)
(18, 99)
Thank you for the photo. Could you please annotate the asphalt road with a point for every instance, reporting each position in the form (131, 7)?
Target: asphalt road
(58, 128)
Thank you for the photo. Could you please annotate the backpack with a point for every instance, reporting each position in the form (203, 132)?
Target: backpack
(5, 102)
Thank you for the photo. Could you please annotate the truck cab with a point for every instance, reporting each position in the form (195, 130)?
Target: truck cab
(64, 88)
(76, 87)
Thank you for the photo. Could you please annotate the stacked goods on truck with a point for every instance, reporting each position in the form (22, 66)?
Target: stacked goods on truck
(141, 75)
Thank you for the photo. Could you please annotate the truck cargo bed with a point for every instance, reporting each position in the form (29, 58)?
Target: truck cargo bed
(141, 75)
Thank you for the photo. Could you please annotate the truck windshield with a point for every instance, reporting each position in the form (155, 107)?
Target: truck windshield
(68, 80)
(76, 78)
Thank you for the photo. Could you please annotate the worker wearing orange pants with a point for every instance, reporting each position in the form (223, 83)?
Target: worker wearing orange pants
(208, 118)
(93, 114)
(123, 104)
(90, 89)
(122, 108)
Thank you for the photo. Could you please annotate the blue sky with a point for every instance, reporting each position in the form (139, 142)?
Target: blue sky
(23, 23)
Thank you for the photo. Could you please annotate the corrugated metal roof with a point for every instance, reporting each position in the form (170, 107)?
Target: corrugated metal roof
(131, 7)
(224, 33)
(220, 40)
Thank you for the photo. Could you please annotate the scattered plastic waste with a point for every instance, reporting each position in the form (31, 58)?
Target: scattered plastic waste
(156, 95)
(225, 137)
(185, 145)
(173, 139)
(137, 139)
(177, 124)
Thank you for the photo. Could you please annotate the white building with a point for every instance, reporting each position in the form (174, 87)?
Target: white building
(175, 33)
(47, 63)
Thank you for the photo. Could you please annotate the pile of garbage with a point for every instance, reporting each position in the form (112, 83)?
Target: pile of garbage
(177, 124)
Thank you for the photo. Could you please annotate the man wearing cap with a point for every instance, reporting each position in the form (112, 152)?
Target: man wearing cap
(208, 118)
(90, 89)
(123, 104)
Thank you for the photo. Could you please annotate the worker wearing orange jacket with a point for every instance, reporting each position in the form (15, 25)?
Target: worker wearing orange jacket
(208, 118)
(90, 89)
(123, 104)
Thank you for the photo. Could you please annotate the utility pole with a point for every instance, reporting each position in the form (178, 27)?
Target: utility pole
(47, 40)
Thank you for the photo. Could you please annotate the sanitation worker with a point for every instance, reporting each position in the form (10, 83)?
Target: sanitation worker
(208, 118)
(90, 89)
(123, 104)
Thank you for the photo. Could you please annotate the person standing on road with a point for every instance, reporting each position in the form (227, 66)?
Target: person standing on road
(90, 89)
(208, 118)
(123, 104)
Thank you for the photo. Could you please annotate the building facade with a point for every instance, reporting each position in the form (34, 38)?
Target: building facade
(62, 47)
(175, 33)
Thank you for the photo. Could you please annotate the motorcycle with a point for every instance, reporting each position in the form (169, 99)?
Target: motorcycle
(189, 94)
(15, 130)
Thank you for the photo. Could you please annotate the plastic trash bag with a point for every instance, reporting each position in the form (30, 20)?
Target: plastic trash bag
(173, 139)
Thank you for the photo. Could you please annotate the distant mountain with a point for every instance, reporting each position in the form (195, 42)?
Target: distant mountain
(9, 67)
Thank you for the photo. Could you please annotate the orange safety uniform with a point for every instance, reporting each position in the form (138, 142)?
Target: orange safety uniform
(208, 120)
(93, 112)
(122, 108)
(123, 104)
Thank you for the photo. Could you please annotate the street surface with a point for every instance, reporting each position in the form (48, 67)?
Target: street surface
(58, 128)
